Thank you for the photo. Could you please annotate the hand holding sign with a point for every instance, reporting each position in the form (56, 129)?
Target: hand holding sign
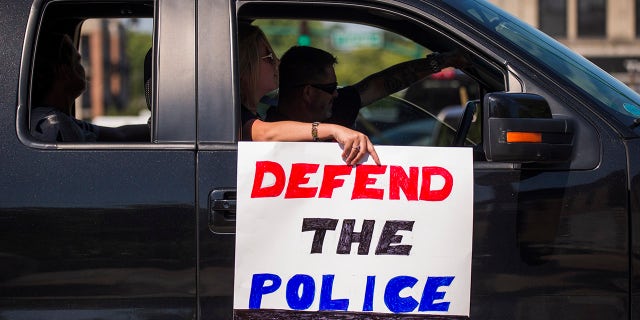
(355, 145)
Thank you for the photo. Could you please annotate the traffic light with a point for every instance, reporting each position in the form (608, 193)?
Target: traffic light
(304, 39)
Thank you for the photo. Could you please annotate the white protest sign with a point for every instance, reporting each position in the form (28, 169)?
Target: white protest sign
(314, 234)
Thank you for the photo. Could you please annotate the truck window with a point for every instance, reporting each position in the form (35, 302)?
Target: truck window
(88, 77)
(113, 51)
(426, 113)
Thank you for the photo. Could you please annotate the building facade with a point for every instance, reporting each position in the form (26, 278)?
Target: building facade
(102, 46)
(606, 32)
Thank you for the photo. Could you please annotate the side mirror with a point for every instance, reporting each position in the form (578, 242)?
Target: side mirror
(519, 128)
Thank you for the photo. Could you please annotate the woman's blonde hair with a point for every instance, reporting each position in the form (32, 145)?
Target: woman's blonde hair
(249, 38)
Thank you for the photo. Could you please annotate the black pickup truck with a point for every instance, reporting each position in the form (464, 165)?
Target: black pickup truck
(146, 230)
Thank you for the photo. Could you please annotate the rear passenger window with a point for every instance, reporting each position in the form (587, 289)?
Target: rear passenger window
(88, 74)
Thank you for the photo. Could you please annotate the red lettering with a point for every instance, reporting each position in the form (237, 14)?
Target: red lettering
(276, 170)
(329, 181)
(299, 177)
(360, 190)
(426, 193)
(402, 180)
(398, 179)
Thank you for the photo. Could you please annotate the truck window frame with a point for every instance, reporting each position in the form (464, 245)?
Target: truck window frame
(68, 16)
(374, 15)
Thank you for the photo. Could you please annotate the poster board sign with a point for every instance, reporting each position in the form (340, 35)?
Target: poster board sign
(314, 235)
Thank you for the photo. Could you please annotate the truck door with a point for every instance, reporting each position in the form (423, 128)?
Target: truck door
(216, 158)
(550, 240)
(633, 147)
(96, 230)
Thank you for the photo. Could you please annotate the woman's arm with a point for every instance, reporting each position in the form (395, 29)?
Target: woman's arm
(355, 144)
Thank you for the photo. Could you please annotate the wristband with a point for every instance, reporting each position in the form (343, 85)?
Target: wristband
(314, 131)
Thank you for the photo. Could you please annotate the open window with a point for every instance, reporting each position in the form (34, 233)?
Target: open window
(105, 43)
(365, 41)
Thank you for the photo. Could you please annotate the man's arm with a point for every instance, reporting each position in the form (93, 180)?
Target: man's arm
(126, 133)
(402, 75)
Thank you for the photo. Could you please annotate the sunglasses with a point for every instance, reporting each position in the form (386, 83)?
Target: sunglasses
(270, 58)
(329, 88)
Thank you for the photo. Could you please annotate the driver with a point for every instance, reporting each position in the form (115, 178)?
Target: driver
(309, 88)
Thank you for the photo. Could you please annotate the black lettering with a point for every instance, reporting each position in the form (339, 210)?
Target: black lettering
(389, 237)
(347, 237)
(320, 226)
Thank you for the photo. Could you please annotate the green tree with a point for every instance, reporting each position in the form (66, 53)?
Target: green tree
(353, 64)
(138, 43)
(283, 34)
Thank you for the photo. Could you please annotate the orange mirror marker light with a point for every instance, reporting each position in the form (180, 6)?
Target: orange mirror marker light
(524, 137)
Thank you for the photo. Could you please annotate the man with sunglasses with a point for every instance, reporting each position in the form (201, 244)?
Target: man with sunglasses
(309, 89)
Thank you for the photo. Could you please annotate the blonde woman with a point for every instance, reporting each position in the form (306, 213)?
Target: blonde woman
(258, 66)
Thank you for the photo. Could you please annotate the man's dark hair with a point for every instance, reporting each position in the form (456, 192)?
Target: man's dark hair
(53, 49)
(304, 65)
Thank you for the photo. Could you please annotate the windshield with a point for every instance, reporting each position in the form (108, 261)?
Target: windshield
(621, 101)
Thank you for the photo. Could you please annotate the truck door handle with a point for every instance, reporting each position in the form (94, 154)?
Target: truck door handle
(224, 206)
(222, 211)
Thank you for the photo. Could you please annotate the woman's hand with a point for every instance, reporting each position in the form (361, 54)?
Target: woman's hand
(355, 144)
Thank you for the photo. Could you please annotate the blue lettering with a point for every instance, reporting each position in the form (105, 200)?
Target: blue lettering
(326, 302)
(301, 290)
(303, 301)
(431, 294)
(368, 294)
(258, 288)
(392, 299)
